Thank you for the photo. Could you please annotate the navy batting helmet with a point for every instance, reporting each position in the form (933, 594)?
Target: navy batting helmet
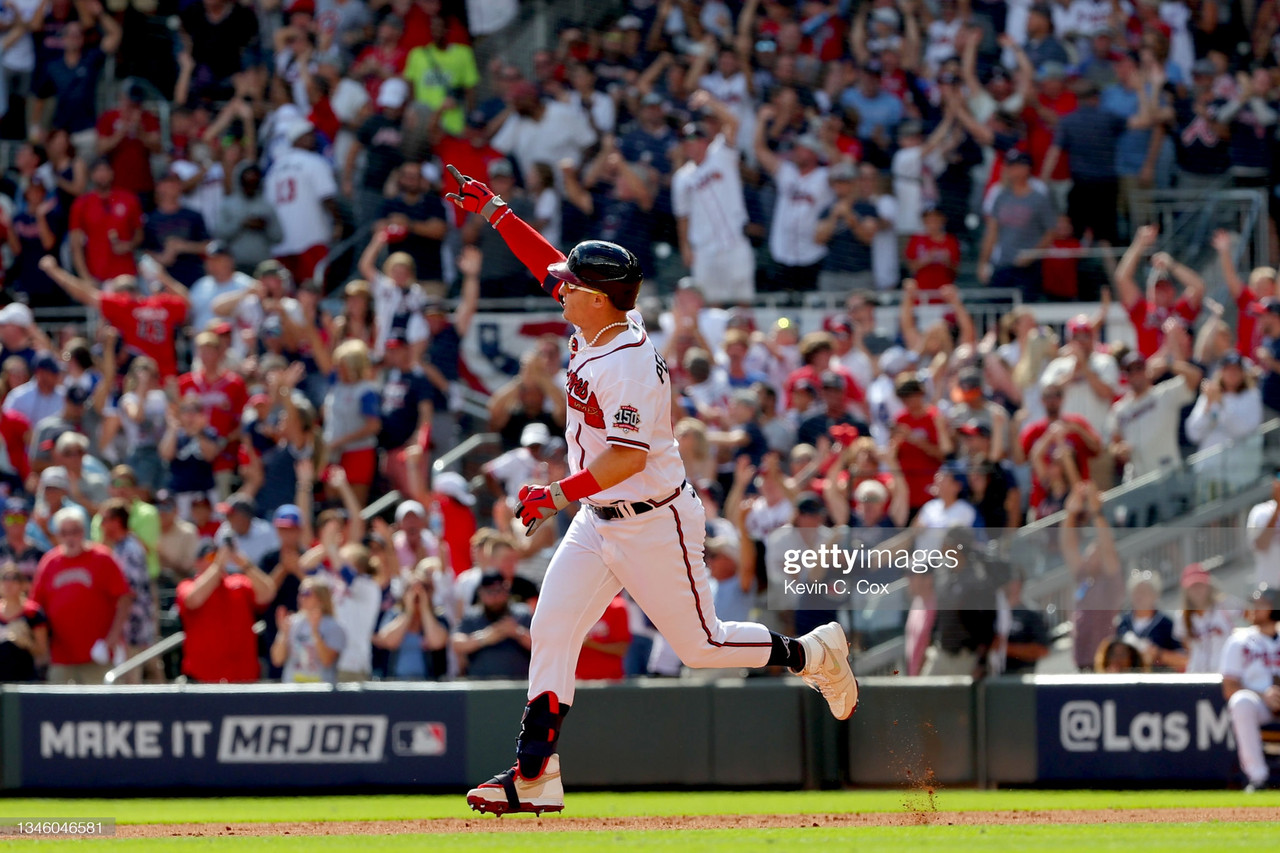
(602, 266)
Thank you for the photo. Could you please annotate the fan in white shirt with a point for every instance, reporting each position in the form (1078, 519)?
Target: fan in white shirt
(1144, 422)
(1229, 410)
(301, 185)
(1202, 627)
(1263, 532)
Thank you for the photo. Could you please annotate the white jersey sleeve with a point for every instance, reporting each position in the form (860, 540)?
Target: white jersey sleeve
(1233, 656)
(630, 410)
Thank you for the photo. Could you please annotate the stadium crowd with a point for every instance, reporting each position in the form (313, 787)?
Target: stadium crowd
(766, 146)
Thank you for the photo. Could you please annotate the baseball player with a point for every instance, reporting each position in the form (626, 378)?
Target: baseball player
(1251, 682)
(641, 525)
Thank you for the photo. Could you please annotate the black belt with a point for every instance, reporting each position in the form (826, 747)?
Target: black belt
(626, 510)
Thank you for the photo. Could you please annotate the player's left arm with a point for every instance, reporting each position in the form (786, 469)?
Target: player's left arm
(617, 463)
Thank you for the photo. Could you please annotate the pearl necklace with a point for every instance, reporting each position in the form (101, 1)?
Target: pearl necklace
(620, 324)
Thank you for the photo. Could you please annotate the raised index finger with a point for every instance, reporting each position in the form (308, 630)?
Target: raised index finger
(457, 176)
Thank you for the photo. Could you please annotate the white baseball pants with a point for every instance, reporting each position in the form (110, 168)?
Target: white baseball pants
(1248, 715)
(657, 557)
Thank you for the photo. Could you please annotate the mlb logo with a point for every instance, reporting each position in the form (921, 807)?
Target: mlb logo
(419, 739)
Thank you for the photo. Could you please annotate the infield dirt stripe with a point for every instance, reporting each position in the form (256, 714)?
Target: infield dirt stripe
(526, 823)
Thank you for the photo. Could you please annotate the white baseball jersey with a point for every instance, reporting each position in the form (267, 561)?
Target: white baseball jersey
(1078, 397)
(1252, 658)
(297, 184)
(1150, 425)
(801, 201)
(399, 311)
(734, 93)
(619, 393)
(1211, 630)
(710, 195)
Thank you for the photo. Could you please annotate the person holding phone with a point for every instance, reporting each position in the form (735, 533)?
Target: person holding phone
(218, 608)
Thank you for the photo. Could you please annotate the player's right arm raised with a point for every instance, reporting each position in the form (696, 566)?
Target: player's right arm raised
(526, 243)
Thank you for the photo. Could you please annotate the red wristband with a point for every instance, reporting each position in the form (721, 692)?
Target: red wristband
(581, 485)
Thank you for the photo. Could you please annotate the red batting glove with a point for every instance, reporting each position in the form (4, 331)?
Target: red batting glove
(537, 504)
(474, 197)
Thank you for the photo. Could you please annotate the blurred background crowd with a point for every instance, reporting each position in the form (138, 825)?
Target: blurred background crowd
(239, 315)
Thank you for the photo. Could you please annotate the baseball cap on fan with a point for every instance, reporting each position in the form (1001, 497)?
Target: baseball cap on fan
(16, 314)
(408, 508)
(455, 486)
(288, 516)
(534, 433)
(393, 93)
(298, 130)
(1079, 325)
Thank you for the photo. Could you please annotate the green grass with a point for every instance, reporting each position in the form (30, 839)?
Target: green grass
(1123, 838)
(607, 804)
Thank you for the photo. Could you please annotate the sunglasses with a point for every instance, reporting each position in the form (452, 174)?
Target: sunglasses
(15, 518)
(305, 593)
(121, 484)
(568, 285)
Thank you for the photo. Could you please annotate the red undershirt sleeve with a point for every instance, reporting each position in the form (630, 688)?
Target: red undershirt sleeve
(531, 248)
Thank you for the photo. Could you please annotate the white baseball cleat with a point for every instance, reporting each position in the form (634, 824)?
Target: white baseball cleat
(827, 670)
(509, 792)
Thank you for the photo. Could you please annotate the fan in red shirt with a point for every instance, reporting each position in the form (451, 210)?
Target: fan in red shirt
(454, 502)
(1059, 271)
(925, 440)
(218, 608)
(1056, 427)
(105, 227)
(382, 59)
(1262, 285)
(934, 256)
(816, 349)
(418, 23)
(1148, 313)
(470, 151)
(15, 435)
(148, 325)
(86, 598)
(223, 394)
(606, 645)
(1052, 102)
(128, 136)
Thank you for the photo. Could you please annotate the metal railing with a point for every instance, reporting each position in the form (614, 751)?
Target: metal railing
(1210, 530)
(463, 449)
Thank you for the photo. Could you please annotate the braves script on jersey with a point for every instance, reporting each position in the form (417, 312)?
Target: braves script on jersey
(618, 393)
(1253, 658)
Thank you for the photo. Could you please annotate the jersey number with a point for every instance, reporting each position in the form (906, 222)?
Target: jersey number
(661, 368)
(286, 191)
(151, 331)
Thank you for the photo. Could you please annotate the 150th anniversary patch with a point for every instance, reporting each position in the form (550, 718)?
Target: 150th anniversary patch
(627, 418)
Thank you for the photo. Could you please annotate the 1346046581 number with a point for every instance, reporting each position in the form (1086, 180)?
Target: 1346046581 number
(53, 826)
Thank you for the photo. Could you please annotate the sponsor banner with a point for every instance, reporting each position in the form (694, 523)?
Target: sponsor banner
(492, 348)
(212, 737)
(1165, 729)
